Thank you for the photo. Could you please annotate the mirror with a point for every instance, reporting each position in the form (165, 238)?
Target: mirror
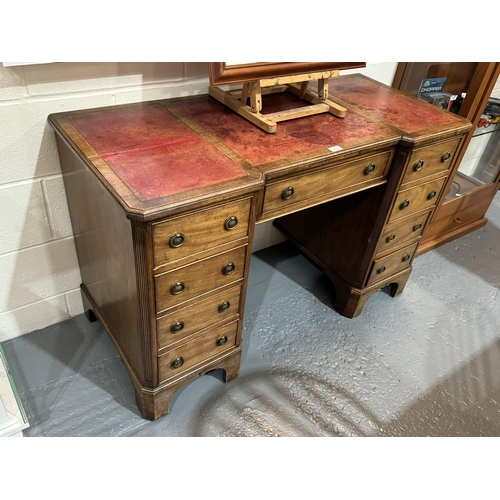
(225, 73)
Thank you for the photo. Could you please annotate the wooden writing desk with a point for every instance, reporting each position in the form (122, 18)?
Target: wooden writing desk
(164, 197)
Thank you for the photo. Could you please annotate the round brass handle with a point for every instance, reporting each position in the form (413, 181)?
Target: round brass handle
(380, 270)
(417, 226)
(222, 340)
(231, 222)
(177, 362)
(406, 257)
(445, 157)
(390, 238)
(418, 165)
(224, 306)
(228, 268)
(431, 195)
(369, 169)
(176, 240)
(177, 288)
(287, 193)
(177, 327)
(405, 204)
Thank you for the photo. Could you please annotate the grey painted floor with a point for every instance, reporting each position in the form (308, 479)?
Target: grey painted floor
(422, 364)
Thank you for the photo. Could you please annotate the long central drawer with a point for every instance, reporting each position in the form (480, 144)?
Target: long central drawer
(286, 195)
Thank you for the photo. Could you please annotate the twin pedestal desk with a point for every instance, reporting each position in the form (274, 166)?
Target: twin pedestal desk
(164, 197)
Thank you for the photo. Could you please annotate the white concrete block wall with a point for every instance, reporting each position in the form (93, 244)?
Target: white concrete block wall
(39, 275)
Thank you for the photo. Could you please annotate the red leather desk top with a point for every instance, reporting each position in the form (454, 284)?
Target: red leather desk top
(157, 154)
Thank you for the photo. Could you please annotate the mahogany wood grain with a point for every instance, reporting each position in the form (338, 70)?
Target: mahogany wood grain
(320, 186)
(391, 264)
(105, 250)
(196, 317)
(336, 235)
(414, 199)
(200, 230)
(197, 351)
(432, 160)
(155, 403)
(199, 278)
(401, 231)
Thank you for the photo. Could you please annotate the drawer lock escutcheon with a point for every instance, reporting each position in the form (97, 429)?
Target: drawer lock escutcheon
(405, 204)
(369, 169)
(177, 327)
(287, 193)
(228, 268)
(222, 340)
(390, 238)
(431, 195)
(418, 165)
(417, 226)
(177, 362)
(380, 270)
(176, 240)
(445, 157)
(406, 257)
(177, 288)
(231, 222)
(224, 306)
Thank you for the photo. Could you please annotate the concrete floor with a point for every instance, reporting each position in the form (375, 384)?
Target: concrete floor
(422, 364)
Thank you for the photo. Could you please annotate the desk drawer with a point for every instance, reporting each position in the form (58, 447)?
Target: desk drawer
(392, 263)
(430, 160)
(409, 201)
(199, 350)
(282, 195)
(402, 230)
(186, 235)
(184, 283)
(184, 322)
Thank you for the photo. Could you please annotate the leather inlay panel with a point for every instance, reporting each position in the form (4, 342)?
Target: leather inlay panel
(151, 150)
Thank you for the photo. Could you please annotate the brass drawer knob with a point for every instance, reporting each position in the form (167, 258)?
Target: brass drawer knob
(177, 362)
(418, 165)
(224, 306)
(390, 238)
(177, 327)
(406, 257)
(176, 240)
(369, 169)
(228, 268)
(431, 195)
(445, 157)
(231, 222)
(287, 193)
(380, 270)
(417, 226)
(177, 288)
(222, 340)
(405, 204)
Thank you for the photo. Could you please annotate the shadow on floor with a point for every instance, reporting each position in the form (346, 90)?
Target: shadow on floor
(290, 402)
(466, 403)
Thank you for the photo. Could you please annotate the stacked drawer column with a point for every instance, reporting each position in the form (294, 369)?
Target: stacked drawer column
(200, 266)
(423, 181)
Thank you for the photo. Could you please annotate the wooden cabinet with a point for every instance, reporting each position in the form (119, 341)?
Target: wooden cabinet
(475, 176)
(164, 197)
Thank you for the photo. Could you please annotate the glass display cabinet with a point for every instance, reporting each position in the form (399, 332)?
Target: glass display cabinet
(475, 176)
